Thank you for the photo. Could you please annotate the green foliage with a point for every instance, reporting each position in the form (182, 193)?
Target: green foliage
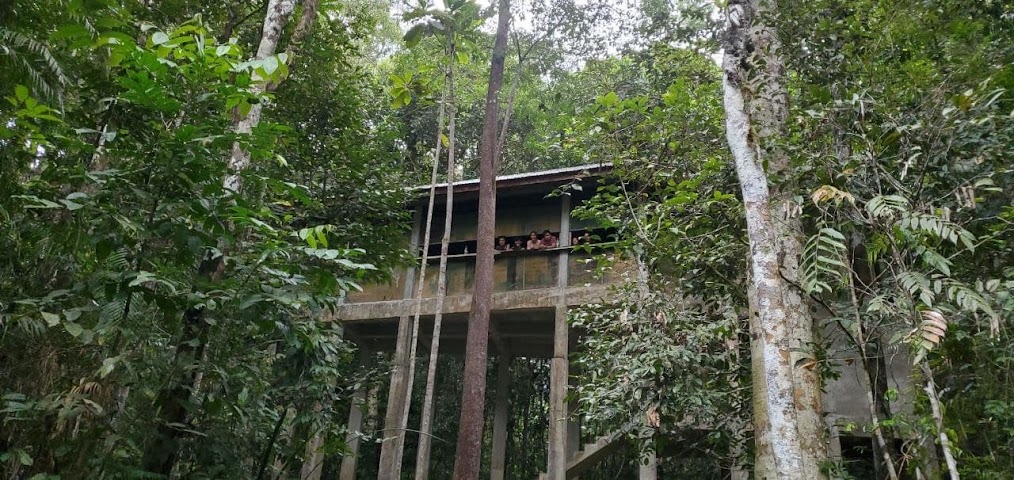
(824, 257)
(900, 129)
(665, 358)
(660, 367)
(112, 210)
(34, 60)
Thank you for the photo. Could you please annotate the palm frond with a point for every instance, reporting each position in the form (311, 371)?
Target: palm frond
(50, 79)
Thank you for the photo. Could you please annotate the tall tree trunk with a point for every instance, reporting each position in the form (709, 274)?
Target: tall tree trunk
(303, 28)
(473, 396)
(391, 459)
(938, 419)
(789, 430)
(274, 22)
(161, 454)
(392, 450)
(422, 461)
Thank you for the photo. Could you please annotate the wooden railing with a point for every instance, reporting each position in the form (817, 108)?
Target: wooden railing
(512, 271)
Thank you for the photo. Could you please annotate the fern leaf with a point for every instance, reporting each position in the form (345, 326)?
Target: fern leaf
(918, 285)
(968, 299)
(117, 261)
(931, 330)
(823, 261)
(19, 48)
(938, 227)
(886, 205)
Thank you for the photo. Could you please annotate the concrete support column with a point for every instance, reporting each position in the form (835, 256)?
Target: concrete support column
(355, 426)
(834, 441)
(393, 438)
(558, 373)
(573, 422)
(559, 365)
(649, 468)
(501, 410)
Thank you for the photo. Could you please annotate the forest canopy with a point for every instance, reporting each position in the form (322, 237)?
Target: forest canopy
(797, 191)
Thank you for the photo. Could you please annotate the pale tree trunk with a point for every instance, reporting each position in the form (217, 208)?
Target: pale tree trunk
(391, 459)
(422, 461)
(274, 22)
(648, 467)
(161, 454)
(938, 420)
(788, 426)
(303, 28)
(473, 396)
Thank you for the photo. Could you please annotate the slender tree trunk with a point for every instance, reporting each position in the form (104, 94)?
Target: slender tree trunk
(874, 365)
(161, 455)
(789, 431)
(303, 28)
(266, 454)
(391, 459)
(648, 469)
(422, 461)
(877, 383)
(938, 419)
(274, 22)
(473, 397)
(881, 448)
(313, 459)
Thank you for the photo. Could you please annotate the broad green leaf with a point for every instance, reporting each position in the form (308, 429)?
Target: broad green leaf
(21, 93)
(159, 38)
(51, 319)
(71, 205)
(73, 329)
(270, 65)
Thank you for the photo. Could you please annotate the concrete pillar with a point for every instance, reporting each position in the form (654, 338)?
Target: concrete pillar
(355, 427)
(558, 367)
(501, 410)
(393, 437)
(558, 373)
(834, 441)
(649, 467)
(573, 422)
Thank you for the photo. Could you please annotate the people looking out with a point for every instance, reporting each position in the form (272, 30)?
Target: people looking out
(582, 240)
(533, 241)
(548, 240)
(502, 245)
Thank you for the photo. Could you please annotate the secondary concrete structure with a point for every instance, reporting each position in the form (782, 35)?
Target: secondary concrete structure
(533, 291)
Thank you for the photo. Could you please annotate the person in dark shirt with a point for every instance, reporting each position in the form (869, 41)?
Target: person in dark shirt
(502, 245)
(582, 240)
(519, 245)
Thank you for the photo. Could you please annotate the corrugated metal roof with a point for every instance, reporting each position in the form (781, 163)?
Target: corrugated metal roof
(532, 177)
